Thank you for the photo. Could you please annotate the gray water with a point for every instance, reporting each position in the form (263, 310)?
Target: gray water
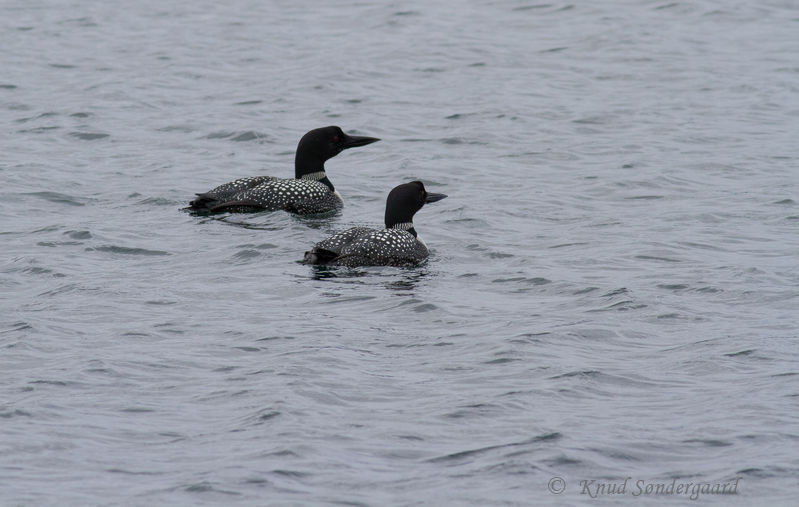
(612, 289)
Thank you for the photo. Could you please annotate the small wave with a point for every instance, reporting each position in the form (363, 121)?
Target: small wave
(35, 270)
(425, 307)
(263, 416)
(291, 473)
(59, 383)
(207, 487)
(246, 254)
(129, 472)
(458, 116)
(137, 410)
(746, 352)
(248, 135)
(564, 245)
(530, 281)
(708, 442)
(473, 452)
(176, 128)
(759, 472)
(127, 251)
(38, 130)
(502, 360)
(88, 136)
(562, 461)
(499, 255)
(621, 306)
(8, 414)
(530, 7)
(78, 234)
(17, 326)
(158, 201)
(656, 258)
(415, 140)
(580, 373)
(672, 286)
(59, 198)
(461, 140)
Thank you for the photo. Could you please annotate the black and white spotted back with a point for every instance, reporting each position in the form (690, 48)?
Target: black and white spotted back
(362, 246)
(303, 196)
(336, 242)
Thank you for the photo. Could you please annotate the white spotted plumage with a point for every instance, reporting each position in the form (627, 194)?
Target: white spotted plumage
(304, 196)
(361, 246)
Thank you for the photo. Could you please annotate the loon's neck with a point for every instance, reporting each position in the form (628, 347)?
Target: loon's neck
(309, 166)
(319, 176)
(405, 226)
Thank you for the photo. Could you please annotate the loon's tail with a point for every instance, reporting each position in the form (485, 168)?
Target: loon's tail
(203, 202)
(209, 204)
(319, 256)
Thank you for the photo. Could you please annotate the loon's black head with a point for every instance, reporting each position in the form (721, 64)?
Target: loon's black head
(318, 145)
(404, 201)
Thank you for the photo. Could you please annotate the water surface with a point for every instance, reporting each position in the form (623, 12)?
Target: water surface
(612, 289)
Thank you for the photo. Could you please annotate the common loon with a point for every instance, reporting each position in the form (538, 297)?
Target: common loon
(310, 192)
(396, 245)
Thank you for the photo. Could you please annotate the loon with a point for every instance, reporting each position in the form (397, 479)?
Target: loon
(309, 192)
(396, 245)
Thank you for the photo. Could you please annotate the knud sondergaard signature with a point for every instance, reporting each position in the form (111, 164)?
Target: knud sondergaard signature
(693, 490)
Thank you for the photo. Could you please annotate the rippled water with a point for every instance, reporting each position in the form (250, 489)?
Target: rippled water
(612, 289)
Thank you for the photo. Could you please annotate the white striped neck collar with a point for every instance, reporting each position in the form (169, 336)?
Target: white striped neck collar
(318, 175)
(405, 226)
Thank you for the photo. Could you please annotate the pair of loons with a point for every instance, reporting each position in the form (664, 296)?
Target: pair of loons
(312, 192)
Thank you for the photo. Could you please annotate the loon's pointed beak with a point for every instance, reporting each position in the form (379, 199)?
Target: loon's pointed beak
(355, 141)
(434, 197)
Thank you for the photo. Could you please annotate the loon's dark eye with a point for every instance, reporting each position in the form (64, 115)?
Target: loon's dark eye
(335, 139)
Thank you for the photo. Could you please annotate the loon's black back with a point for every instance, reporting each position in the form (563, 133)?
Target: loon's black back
(309, 192)
(396, 245)
(267, 193)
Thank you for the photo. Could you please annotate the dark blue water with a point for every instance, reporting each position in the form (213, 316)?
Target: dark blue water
(611, 293)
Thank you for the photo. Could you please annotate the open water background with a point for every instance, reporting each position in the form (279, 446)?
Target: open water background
(612, 290)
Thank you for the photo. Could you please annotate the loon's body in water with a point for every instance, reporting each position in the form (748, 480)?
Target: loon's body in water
(309, 192)
(396, 245)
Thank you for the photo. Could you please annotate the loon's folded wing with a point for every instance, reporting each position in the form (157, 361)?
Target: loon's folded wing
(328, 250)
(222, 194)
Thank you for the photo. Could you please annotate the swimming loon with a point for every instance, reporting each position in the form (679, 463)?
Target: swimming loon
(396, 245)
(309, 192)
